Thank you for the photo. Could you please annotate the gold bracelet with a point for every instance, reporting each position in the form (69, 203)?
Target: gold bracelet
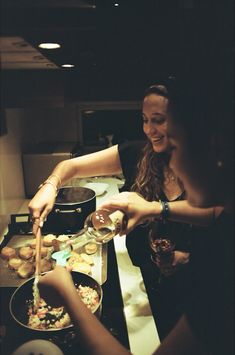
(48, 182)
(58, 177)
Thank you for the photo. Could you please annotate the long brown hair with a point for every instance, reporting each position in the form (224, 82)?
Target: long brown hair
(149, 181)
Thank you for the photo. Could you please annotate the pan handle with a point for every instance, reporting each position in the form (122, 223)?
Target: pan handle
(77, 210)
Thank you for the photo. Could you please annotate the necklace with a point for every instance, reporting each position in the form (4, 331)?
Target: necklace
(169, 175)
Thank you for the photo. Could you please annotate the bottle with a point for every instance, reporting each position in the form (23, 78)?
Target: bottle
(99, 227)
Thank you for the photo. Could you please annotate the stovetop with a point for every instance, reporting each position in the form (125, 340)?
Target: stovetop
(112, 316)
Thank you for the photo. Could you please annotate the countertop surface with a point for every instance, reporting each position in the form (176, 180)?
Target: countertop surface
(142, 332)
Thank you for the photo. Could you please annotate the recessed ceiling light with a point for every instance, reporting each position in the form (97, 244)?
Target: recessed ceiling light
(49, 45)
(116, 4)
(89, 112)
(67, 65)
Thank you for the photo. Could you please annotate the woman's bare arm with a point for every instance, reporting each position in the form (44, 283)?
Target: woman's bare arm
(104, 162)
(182, 211)
(138, 210)
(57, 288)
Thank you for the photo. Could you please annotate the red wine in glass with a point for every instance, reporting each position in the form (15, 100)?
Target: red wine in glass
(161, 248)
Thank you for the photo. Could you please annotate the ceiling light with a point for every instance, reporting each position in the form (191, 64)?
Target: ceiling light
(116, 4)
(67, 65)
(49, 45)
(89, 112)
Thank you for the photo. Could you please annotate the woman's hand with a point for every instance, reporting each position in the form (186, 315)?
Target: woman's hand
(179, 258)
(41, 205)
(137, 209)
(54, 285)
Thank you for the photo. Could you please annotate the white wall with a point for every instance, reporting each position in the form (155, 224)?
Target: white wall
(28, 127)
(51, 124)
(11, 177)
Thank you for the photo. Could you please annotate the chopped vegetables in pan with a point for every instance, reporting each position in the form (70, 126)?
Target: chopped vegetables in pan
(47, 317)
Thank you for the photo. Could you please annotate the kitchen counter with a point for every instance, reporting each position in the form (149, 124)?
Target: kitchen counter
(142, 332)
(139, 319)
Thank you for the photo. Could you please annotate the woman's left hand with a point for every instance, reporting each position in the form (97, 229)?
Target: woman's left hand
(178, 260)
(134, 206)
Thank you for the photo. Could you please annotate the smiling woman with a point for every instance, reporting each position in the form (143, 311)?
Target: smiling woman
(154, 117)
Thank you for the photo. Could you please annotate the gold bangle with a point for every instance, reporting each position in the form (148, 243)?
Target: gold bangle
(48, 182)
(57, 176)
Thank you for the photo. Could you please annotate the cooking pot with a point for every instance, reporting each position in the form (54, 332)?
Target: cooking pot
(19, 302)
(72, 206)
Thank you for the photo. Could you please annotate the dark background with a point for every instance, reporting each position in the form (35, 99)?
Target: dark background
(117, 50)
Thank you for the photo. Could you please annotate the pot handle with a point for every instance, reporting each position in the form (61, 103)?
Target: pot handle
(78, 210)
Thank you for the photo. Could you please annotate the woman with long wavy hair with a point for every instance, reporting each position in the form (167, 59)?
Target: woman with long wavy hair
(145, 166)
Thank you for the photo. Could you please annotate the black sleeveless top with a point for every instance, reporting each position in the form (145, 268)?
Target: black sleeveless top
(137, 241)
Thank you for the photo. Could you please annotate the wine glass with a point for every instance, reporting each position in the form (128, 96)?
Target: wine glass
(161, 247)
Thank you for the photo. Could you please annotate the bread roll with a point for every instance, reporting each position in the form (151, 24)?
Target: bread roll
(63, 237)
(26, 253)
(81, 267)
(15, 263)
(7, 253)
(26, 270)
(47, 240)
(74, 258)
(91, 248)
(32, 243)
(87, 258)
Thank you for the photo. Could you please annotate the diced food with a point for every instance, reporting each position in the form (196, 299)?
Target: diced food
(47, 317)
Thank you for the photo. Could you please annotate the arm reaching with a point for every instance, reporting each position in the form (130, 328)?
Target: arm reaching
(58, 285)
(105, 162)
(139, 210)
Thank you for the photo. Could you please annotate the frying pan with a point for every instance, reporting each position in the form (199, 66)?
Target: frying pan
(23, 294)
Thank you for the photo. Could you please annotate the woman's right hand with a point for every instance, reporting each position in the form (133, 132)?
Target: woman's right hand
(41, 205)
